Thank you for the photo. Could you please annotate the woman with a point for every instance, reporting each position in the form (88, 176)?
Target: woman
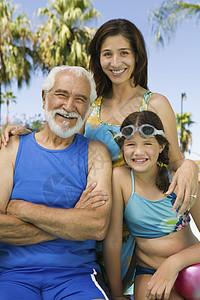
(118, 60)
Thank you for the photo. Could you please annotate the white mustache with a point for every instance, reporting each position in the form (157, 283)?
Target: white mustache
(65, 113)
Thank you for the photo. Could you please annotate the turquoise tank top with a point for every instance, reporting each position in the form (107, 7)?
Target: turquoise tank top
(51, 178)
(152, 219)
(96, 129)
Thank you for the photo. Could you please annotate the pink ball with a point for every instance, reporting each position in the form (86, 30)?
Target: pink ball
(188, 282)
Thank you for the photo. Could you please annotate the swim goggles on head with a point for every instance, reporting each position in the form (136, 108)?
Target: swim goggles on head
(145, 130)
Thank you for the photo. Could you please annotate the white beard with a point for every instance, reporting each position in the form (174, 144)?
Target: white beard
(62, 130)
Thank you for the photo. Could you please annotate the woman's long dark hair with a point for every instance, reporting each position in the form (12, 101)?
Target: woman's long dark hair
(149, 117)
(130, 32)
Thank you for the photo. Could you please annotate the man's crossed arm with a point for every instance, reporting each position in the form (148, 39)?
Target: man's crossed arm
(24, 223)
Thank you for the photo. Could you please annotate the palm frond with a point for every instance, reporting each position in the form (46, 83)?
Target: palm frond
(167, 17)
(63, 37)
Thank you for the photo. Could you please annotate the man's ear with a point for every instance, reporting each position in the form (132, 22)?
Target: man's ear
(43, 99)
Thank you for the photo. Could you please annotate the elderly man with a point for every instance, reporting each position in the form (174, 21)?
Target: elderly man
(55, 199)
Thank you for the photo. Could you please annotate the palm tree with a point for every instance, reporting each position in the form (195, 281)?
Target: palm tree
(166, 18)
(8, 97)
(185, 136)
(15, 43)
(64, 37)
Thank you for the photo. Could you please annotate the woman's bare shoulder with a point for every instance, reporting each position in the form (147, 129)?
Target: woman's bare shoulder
(158, 98)
(160, 105)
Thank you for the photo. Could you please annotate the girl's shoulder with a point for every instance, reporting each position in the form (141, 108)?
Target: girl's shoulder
(122, 182)
(121, 174)
(121, 170)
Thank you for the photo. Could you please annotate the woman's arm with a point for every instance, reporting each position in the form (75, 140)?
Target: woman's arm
(12, 130)
(186, 178)
(113, 241)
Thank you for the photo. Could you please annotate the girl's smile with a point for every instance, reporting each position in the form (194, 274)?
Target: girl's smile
(141, 153)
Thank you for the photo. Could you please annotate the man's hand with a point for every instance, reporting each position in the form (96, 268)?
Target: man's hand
(91, 199)
(12, 130)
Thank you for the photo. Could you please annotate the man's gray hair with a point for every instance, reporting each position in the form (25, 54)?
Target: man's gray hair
(79, 71)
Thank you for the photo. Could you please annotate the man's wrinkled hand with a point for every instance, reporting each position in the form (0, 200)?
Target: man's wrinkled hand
(91, 199)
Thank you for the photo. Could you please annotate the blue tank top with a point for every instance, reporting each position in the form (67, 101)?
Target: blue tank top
(152, 219)
(51, 178)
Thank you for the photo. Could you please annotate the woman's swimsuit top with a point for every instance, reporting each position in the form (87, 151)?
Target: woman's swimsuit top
(152, 219)
(96, 129)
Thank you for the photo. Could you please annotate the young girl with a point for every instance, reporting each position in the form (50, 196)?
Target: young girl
(164, 240)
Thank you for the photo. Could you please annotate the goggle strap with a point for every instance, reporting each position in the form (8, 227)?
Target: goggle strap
(117, 135)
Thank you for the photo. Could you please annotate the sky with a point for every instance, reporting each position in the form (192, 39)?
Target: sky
(173, 69)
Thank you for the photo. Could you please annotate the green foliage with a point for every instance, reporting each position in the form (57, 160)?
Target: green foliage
(64, 38)
(35, 123)
(15, 45)
(36, 126)
(7, 98)
(166, 18)
(184, 120)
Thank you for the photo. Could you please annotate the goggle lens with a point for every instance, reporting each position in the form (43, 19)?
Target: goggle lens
(127, 131)
(147, 130)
